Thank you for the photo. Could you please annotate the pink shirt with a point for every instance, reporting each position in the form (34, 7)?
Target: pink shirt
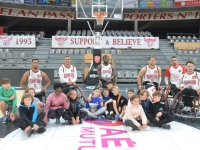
(54, 102)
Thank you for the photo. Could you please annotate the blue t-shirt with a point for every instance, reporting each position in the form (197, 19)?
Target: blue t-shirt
(105, 99)
(95, 103)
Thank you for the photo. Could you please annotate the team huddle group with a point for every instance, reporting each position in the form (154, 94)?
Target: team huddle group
(139, 112)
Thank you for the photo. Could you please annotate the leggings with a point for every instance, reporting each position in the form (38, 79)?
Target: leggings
(131, 124)
(23, 125)
(57, 113)
(95, 115)
(163, 120)
(66, 115)
(188, 95)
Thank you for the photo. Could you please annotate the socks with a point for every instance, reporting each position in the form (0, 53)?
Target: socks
(106, 112)
(111, 112)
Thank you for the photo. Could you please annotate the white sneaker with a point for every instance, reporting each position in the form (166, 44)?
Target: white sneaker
(129, 129)
(188, 109)
(147, 128)
(185, 109)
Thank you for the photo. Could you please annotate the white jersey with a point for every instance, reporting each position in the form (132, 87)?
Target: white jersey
(151, 75)
(189, 81)
(67, 74)
(106, 71)
(173, 73)
(35, 80)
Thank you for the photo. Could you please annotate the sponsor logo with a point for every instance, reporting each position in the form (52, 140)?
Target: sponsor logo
(193, 77)
(61, 40)
(93, 76)
(6, 40)
(150, 41)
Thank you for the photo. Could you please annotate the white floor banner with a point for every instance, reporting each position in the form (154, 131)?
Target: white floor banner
(106, 42)
(17, 41)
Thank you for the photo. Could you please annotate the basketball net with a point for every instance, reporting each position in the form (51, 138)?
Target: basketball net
(99, 16)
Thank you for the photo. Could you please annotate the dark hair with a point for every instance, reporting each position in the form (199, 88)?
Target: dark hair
(151, 57)
(69, 93)
(35, 59)
(58, 85)
(5, 81)
(105, 89)
(96, 88)
(157, 93)
(134, 97)
(131, 90)
(31, 89)
(189, 62)
(105, 56)
(67, 56)
(173, 57)
(26, 95)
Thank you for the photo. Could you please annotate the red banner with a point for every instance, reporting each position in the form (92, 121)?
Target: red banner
(183, 3)
(1, 30)
(29, 13)
(154, 16)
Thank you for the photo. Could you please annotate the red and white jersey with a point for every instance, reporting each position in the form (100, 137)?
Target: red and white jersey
(189, 81)
(35, 80)
(173, 73)
(106, 71)
(151, 75)
(67, 74)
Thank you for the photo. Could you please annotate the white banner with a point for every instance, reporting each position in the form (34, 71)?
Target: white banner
(161, 16)
(29, 13)
(106, 42)
(17, 42)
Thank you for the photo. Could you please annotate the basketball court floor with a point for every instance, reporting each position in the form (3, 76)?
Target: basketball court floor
(100, 135)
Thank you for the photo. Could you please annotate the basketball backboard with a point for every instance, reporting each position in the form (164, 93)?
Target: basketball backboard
(112, 9)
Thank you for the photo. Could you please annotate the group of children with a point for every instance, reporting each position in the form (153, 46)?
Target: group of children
(137, 113)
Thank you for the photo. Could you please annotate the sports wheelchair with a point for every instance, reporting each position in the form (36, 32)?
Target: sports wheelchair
(177, 106)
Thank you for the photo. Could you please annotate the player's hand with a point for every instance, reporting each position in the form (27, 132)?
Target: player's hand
(12, 97)
(74, 83)
(167, 87)
(141, 87)
(43, 89)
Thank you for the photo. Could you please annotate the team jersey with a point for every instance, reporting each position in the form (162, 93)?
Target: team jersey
(67, 74)
(189, 81)
(106, 71)
(35, 80)
(173, 73)
(151, 75)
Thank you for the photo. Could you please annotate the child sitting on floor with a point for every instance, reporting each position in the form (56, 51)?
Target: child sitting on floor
(93, 106)
(135, 118)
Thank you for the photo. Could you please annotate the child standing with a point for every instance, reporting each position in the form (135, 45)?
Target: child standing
(55, 104)
(74, 114)
(37, 102)
(29, 120)
(159, 114)
(93, 106)
(8, 99)
(134, 118)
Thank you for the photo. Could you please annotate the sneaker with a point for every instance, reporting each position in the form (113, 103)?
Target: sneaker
(147, 128)
(166, 126)
(5, 120)
(57, 121)
(29, 133)
(128, 128)
(117, 117)
(108, 117)
(189, 110)
(67, 122)
(185, 109)
(41, 130)
(100, 117)
(88, 118)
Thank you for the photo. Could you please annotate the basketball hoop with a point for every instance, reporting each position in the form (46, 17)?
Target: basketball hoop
(99, 16)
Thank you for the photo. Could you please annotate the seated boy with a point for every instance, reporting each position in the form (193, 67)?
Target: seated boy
(8, 99)
(159, 114)
(37, 102)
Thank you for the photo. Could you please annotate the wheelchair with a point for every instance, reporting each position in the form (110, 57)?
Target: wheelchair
(177, 106)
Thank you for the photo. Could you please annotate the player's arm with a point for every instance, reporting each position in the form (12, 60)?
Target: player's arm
(159, 76)
(99, 73)
(24, 80)
(140, 75)
(113, 73)
(47, 80)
